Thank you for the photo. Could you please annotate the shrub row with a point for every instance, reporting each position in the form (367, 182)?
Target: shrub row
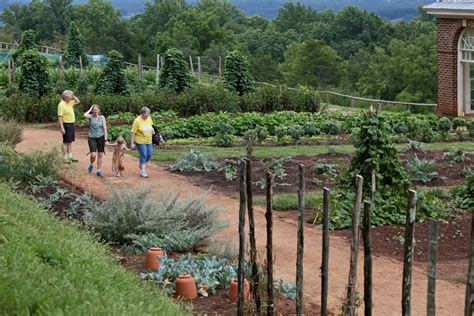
(202, 98)
(65, 271)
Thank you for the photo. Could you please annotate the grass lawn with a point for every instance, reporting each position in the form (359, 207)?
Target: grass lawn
(52, 267)
(163, 154)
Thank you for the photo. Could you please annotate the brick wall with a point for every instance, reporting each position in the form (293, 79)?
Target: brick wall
(448, 36)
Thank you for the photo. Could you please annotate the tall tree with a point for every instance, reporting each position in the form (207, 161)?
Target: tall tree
(75, 48)
(237, 76)
(312, 63)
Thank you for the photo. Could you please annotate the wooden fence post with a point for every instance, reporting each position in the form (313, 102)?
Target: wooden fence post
(157, 65)
(220, 66)
(140, 69)
(325, 258)
(408, 257)
(10, 71)
(350, 308)
(254, 284)
(269, 218)
(367, 258)
(61, 69)
(240, 268)
(432, 254)
(191, 63)
(300, 244)
(470, 275)
(199, 67)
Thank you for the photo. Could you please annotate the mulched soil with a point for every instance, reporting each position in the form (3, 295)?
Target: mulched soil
(450, 173)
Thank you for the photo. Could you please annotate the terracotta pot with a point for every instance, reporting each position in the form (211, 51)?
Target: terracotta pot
(234, 290)
(186, 286)
(152, 262)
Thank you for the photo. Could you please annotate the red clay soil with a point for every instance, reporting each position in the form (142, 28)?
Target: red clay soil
(387, 272)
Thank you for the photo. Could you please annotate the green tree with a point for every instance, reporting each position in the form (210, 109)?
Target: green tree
(294, 16)
(175, 75)
(264, 68)
(27, 43)
(112, 79)
(237, 76)
(312, 63)
(34, 77)
(75, 48)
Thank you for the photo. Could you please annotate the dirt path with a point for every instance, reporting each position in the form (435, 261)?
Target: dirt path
(387, 273)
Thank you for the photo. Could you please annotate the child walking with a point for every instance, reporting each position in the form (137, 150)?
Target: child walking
(120, 147)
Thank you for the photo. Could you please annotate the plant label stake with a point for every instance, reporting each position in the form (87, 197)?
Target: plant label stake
(408, 259)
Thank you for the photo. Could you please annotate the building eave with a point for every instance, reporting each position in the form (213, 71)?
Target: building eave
(449, 13)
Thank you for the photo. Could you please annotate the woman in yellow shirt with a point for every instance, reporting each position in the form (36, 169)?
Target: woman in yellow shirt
(142, 134)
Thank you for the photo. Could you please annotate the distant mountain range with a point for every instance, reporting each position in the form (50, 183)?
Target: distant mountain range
(390, 9)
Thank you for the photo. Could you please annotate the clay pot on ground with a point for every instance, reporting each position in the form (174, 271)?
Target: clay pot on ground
(152, 261)
(234, 290)
(186, 287)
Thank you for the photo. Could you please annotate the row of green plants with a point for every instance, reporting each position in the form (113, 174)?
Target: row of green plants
(202, 98)
(290, 126)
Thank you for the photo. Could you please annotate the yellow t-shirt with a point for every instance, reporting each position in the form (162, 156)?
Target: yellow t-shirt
(66, 111)
(143, 130)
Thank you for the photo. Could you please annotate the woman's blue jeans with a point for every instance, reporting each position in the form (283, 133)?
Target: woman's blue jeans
(145, 151)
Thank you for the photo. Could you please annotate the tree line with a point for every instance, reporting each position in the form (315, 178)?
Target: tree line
(352, 50)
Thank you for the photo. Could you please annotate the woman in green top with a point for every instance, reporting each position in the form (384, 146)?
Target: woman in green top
(97, 137)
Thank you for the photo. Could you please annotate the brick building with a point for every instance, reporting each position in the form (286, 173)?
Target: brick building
(455, 19)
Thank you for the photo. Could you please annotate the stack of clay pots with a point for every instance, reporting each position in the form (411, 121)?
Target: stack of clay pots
(234, 290)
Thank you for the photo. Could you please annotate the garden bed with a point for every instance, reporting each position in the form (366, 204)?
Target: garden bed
(450, 173)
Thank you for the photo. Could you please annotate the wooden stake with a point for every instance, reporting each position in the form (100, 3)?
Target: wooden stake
(157, 65)
(140, 69)
(300, 246)
(191, 63)
(220, 66)
(240, 268)
(408, 259)
(367, 258)
(269, 218)
(373, 187)
(254, 285)
(350, 308)
(80, 67)
(10, 71)
(61, 69)
(199, 67)
(325, 259)
(432, 254)
(470, 275)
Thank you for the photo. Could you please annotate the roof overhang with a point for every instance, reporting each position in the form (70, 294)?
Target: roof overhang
(451, 9)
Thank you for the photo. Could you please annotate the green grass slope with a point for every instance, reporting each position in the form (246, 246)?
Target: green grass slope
(55, 268)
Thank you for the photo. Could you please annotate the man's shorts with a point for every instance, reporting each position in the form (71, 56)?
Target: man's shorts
(96, 144)
(69, 135)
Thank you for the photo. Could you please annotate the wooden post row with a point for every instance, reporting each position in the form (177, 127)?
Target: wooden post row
(408, 257)
(325, 258)
(240, 267)
(191, 64)
(269, 218)
(300, 244)
(350, 308)
(254, 284)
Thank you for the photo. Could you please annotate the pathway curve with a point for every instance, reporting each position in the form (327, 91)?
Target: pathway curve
(387, 274)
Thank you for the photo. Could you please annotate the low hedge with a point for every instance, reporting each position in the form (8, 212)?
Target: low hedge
(65, 271)
(202, 98)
